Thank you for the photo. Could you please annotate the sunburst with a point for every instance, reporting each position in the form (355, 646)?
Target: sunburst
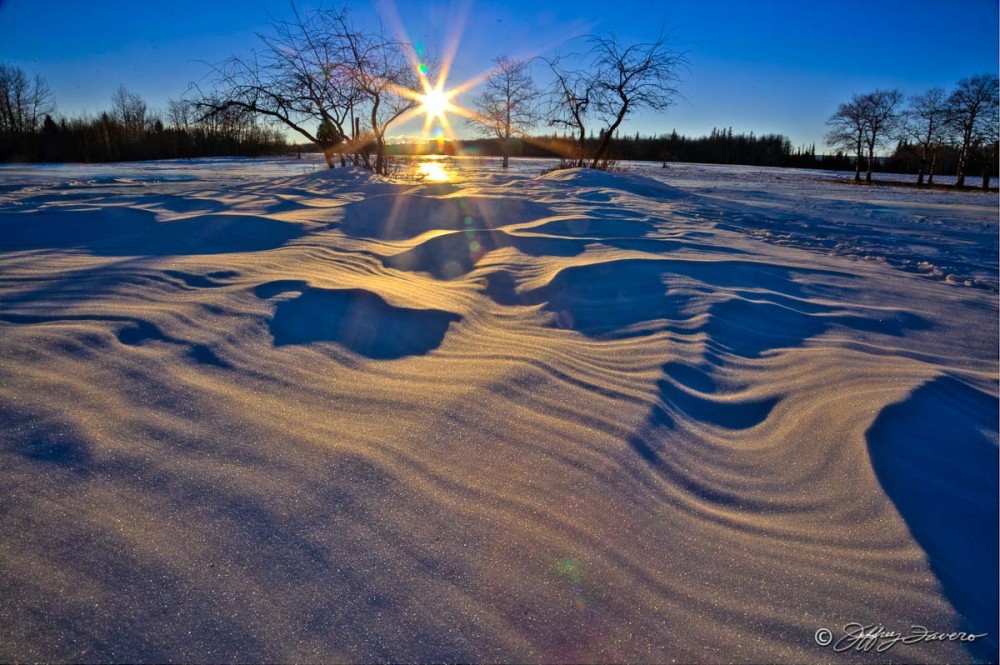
(436, 100)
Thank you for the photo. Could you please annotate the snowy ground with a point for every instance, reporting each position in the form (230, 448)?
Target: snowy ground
(263, 411)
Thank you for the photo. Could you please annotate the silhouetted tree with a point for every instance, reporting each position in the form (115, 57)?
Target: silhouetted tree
(608, 83)
(300, 79)
(321, 71)
(24, 101)
(129, 110)
(568, 103)
(971, 115)
(989, 143)
(506, 106)
(381, 77)
(925, 123)
(179, 113)
(847, 130)
(629, 78)
(881, 121)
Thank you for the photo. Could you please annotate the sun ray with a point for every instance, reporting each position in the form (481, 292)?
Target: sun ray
(454, 38)
(436, 100)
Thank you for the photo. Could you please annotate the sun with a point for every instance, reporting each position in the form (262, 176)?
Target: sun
(431, 97)
(435, 102)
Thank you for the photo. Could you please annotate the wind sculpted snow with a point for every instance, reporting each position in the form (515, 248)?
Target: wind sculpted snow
(673, 414)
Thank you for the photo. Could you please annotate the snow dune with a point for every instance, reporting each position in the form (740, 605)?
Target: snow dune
(685, 414)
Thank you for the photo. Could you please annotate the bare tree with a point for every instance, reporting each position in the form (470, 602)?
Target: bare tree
(925, 124)
(847, 130)
(881, 121)
(868, 121)
(383, 77)
(568, 103)
(319, 75)
(989, 142)
(631, 78)
(506, 105)
(971, 115)
(298, 79)
(608, 83)
(24, 101)
(130, 110)
(179, 113)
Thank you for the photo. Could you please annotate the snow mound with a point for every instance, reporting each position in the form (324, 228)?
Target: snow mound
(630, 183)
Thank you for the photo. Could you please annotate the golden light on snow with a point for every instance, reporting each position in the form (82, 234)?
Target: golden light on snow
(433, 170)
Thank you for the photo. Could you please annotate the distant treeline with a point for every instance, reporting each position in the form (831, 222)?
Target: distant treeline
(719, 147)
(106, 139)
(128, 131)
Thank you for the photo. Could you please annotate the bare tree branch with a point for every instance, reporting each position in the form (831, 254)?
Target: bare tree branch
(24, 102)
(568, 103)
(612, 80)
(631, 78)
(506, 106)
(971, 113)
(298, 79)
(925, 123)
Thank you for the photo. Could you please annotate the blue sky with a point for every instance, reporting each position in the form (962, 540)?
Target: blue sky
(762, 66)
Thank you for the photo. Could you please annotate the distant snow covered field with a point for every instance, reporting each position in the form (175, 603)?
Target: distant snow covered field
(258, 410)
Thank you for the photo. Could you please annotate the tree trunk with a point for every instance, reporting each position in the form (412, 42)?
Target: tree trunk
(857, 161)
(920, 171)
(871, 161)
(505, 142)
(963, 155)
(930, 171)
(602, 146)
(606, 139)
(986, 175)
(355, 135)
(379, 139)
(379, 155)
(328, 156)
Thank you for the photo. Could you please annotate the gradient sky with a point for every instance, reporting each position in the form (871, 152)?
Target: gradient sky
(764, 66)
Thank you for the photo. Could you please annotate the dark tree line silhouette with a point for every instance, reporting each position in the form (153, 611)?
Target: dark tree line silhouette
(127, 131)
(719, 147)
